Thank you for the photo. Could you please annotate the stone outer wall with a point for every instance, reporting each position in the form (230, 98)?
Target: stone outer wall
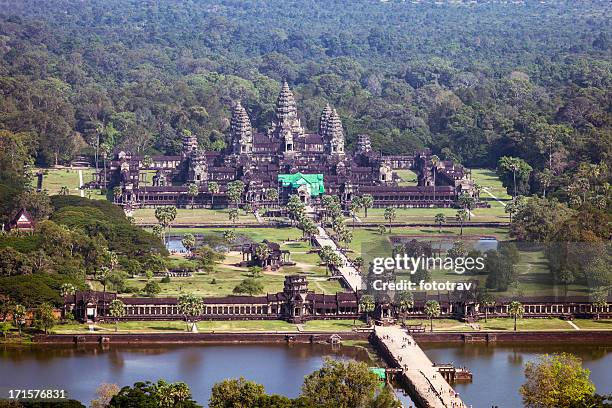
(582, 336)
(169, 338)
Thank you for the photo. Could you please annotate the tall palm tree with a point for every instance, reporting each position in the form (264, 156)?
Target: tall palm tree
(390, 215)
(487, 300)
(367, 305)
(67, 289)
(461, 216)
(435, 160)
(262, 252)
(233, 215)
(440, 219)
(193, 190)
(116, 310)
(432, 309)
(405, 302)
(516, 310)
(191, 307)
(367, 201)
(116, 193)
(213, 188)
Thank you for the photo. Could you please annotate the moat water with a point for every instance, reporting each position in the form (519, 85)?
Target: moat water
(497, 369)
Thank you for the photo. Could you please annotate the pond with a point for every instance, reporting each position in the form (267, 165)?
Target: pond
(497, 369)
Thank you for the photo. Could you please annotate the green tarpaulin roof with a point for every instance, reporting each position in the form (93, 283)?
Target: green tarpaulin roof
(313, 182)
(380, 372)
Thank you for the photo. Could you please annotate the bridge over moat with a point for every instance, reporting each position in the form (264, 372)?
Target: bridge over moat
(428, 387)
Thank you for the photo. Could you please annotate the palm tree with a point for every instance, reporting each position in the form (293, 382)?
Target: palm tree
(516, 204)
(229, 236)
(191, 307)
(600, 301)
(358, 263)
(233, 215)
(67, 289)
(165, 216)
(367, 306)
(189, 242)
(405, 302)
(545, 178)
(367, 201)
(487, 300)
(19, 313)
(466, 202)
(272, 194)
(193, 190)
(390, 215)
(263, 252)
(432, 309)
(440, 219)
(102, 276)
(105, 149)
(516, 310)
(434, 162)
(461, 216)
(354, 207)
(235, 190)
(382, 229)
(326, 254)
(117, 310)
(345, 236)
(213, 188)
(116, 193)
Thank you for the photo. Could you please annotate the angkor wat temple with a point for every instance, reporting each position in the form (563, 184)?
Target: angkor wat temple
(261, 160)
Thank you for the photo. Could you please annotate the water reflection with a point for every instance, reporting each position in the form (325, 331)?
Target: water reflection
(80, 369)
(498, 369)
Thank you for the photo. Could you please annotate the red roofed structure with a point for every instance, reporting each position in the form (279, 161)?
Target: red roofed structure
(23, 221)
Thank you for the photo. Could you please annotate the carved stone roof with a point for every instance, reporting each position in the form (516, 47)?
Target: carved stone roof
(285, 104)
(327, 112)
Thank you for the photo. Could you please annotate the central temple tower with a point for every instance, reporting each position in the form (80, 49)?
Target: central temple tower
(287, 127)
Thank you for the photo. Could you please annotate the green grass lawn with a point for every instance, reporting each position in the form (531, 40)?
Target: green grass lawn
(409, 177)
(332, 325)
(195, 216)
(210, 326)
(484, 177)
(441, 324)
(55, 179)
(587, 324)
(493, 185)
(370, 237)
(427, 215)
(505, 324)
(179, 326)
(226, 275)
(493, 324)
(256, 234)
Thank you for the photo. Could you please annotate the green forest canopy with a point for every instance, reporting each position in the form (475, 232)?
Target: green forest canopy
(472, 81)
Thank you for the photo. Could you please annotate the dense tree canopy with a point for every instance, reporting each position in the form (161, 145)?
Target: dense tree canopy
(472, 81)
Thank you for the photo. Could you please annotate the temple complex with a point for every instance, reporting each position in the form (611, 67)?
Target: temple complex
(296, 303)
(286, 158)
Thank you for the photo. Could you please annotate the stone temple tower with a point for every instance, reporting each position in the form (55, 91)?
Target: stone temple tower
(333, 135)
(287, 126)
(241, 131)
(327, 111)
